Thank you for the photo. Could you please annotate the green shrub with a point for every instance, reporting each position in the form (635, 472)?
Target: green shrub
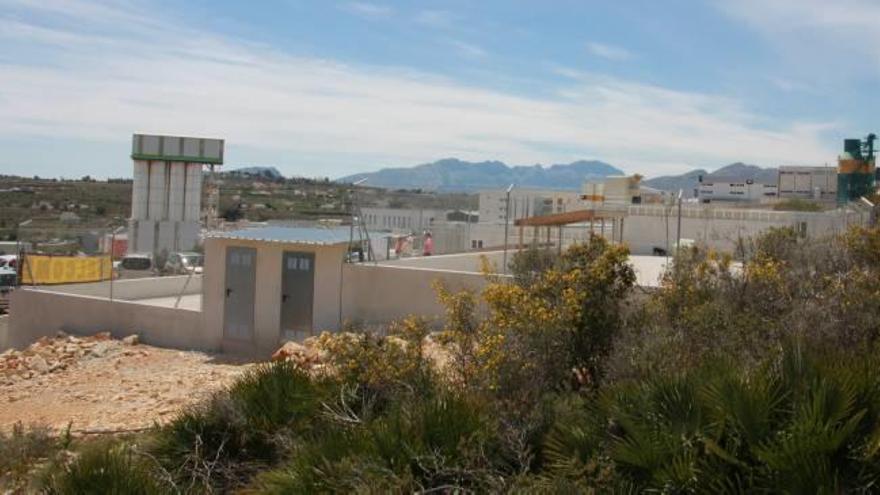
(105, 469)
(527, 265)
(276, 396)
(805, 423)
(224, 441)
(22, 450)
(416, 445)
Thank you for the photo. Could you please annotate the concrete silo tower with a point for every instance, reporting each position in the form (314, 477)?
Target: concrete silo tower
(166, 199)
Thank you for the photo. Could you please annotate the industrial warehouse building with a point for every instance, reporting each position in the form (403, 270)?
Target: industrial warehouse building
(807, 182)
(737, 189)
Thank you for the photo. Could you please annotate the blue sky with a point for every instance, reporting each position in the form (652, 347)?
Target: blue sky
(323, 88)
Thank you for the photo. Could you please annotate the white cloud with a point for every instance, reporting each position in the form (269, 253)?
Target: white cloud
(789, 85)
(610, 52)
(435, 18)
(178, 80)
(469, 49)
(838, 35)
(369, 10)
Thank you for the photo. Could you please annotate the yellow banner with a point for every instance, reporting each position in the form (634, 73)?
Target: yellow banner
(40, 269)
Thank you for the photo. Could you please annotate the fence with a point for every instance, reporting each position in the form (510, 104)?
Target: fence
(40, 269)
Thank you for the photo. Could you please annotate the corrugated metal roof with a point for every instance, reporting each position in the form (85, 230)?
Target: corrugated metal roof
(298, 235)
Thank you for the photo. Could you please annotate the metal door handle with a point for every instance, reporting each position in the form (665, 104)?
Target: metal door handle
(284, 297)
(228, 291)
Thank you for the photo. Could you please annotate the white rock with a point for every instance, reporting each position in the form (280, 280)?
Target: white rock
(101, 349)
(38, 364)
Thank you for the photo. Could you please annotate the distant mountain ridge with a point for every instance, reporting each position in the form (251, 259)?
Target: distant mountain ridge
(451, 174)
(688, 181)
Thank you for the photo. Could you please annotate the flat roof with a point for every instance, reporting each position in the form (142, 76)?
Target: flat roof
(566, 218)
(316, 236)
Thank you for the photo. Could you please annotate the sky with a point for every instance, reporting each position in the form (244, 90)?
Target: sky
(325, 89)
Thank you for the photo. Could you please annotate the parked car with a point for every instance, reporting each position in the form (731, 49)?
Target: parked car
(8, 282)
(185, 263)
(136, 266)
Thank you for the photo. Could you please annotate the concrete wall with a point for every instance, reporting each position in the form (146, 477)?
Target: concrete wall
(377, 294)
(4, 331)
(85, 315)
(720, 228)
(267, 299)
(141, 288)
(648, 269)
(463, 262)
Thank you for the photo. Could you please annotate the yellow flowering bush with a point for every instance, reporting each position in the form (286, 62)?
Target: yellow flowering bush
(539, 333)
(380, 363)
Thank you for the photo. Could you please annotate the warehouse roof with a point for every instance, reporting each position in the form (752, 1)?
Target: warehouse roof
(290, 235)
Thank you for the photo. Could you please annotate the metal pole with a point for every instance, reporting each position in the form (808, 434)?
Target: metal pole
(350, 230)
(506, 222)
(468, 242)
(112, 245)
(678, 232)
(183, 289)
(666, 211)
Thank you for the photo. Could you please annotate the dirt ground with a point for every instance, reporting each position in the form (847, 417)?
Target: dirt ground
(98, 384)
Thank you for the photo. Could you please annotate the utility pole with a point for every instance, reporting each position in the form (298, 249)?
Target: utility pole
(506, 225)
(354, 212)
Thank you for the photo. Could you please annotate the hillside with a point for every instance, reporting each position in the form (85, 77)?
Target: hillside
(457, 175)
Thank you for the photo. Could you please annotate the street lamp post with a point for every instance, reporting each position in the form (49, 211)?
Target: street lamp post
(506, 225)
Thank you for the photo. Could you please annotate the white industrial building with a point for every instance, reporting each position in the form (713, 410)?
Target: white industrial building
(524, 203)
(166, 198)
(736, 189)
(402, 219)
(612, 191)
(807, 182)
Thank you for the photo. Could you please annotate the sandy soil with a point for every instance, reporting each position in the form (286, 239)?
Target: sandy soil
(101, 385)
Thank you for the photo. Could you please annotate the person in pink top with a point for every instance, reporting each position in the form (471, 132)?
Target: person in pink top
(429, 245)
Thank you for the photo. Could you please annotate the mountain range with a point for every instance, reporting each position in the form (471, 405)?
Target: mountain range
(451, 174)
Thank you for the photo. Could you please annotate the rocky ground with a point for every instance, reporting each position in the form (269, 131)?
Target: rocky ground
(98, 384)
